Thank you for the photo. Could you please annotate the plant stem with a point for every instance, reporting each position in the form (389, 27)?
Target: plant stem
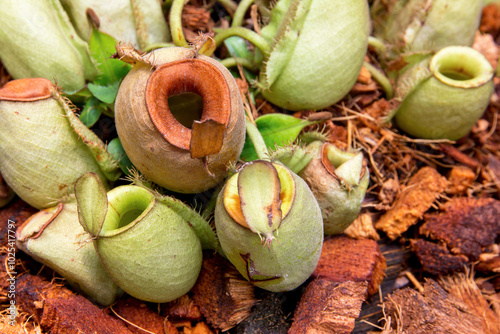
(176, 23)
(258, 142)
(377, 44)
(381, 79)
(235, 61)
(210, 207)
(229, 5)
(240, 12)
(249, 35)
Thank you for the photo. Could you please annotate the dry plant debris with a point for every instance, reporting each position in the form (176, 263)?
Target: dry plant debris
(329, 307)
(466, 225)
(417, 197)
(224, 297)
(60, 311)
(140, 318)
(362, 228)
(463, 229)
(433, 311)
(463, 287)
(454, 304)
(344, 259)
(437, 259)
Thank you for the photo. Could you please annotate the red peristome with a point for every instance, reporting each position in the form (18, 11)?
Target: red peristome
(183, 76)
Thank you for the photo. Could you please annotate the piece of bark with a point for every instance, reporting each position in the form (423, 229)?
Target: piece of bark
(362, 228)
(417, 197)
(136, 312)
(490, 265)
(364, 76)
(437, 259)
(388, 191)
(435, 311)
(60, 311)
(329, 307)
(463, 287)
(397, 256)
(344, 259)
(460, 180)
(224, 297)
(465, 225)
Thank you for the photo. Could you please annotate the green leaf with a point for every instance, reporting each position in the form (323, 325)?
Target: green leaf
(276, 130)
(92, 201)
(79, 96)
(91, 112)
(237, 47)
(116, 150)
(102, 46)
(106, 94)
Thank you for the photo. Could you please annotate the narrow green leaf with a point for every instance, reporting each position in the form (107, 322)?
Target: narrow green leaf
(92, 202)
(276, 130)
(116, 150)
(106, 94)
(91, 112)
(80, 96)
(102, 46)
(237, 47)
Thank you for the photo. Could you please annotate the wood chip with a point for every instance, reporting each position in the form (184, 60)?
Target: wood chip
(60, 311)
(136, 312)
(491, 265)
(344, 259)
(434, 311)
(437, 259)
(362, 228)
(463, 287)
(364, 76)
(417, 197)
(329, 307)
(460, 180)
(466, 225)
(224, 297)
(389, 190)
